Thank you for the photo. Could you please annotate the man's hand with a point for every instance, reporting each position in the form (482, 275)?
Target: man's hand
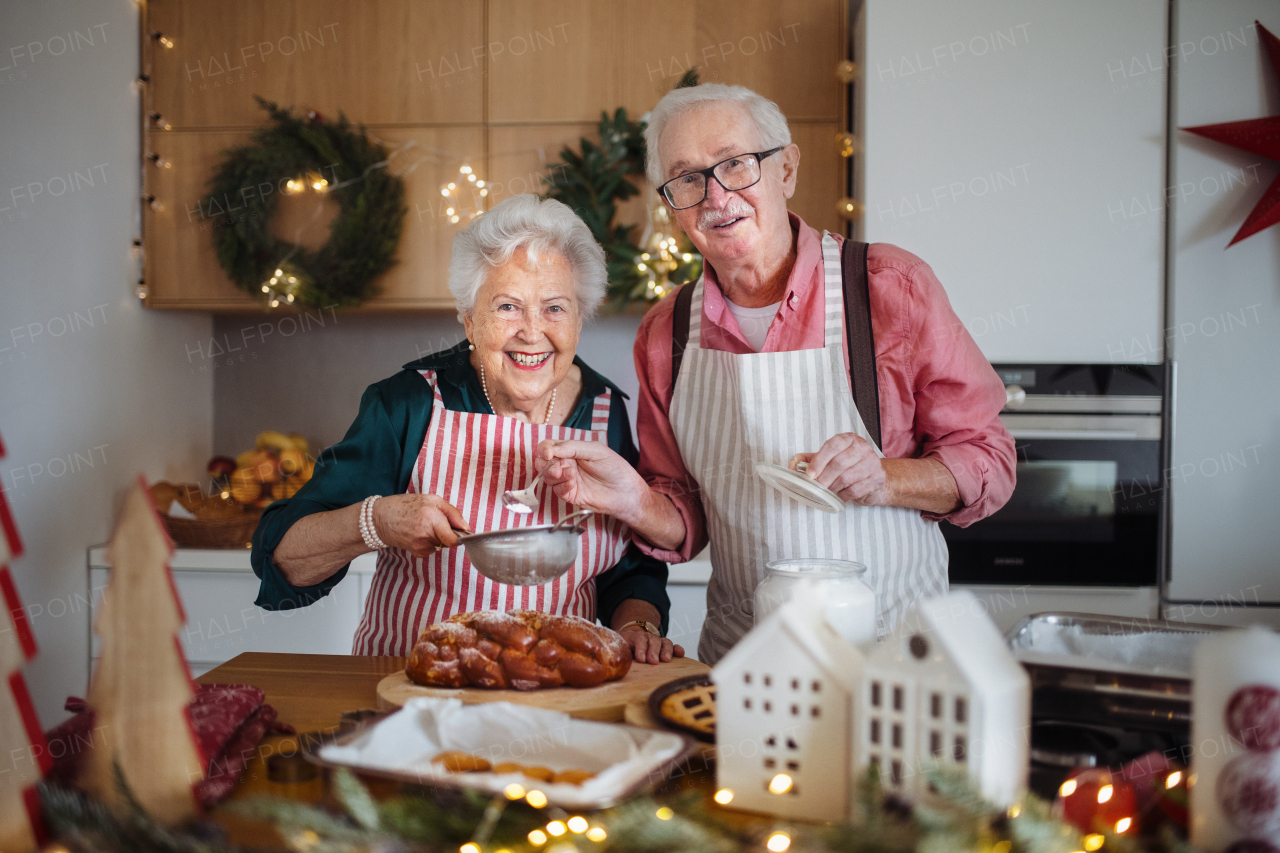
(590, 475)
(848, 465)
(420, 524)
(649, 648)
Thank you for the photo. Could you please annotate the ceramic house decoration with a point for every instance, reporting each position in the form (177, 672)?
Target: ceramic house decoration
(784, 697)
(943, 688)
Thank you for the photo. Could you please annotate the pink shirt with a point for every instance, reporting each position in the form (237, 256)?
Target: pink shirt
(939, 397)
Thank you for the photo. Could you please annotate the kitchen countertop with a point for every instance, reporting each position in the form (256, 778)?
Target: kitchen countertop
(310, 693)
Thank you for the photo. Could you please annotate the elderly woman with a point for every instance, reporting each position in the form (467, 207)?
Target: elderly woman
(434, 446)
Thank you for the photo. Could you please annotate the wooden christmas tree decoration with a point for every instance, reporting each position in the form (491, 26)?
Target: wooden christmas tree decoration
(142, 684)
(22, 746)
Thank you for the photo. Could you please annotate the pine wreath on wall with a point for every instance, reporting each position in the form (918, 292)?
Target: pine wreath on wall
(290, 155)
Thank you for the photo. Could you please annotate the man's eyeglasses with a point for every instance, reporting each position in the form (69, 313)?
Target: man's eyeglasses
(735, 173)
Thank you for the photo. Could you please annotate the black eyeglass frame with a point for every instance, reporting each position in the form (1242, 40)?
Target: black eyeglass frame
(710, 172)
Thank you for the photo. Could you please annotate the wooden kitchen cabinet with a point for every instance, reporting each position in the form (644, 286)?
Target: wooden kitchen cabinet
(501, 85)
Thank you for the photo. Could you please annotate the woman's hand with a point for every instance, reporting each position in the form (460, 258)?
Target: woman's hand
(649, 648)
(419, 524)
(590, 475)
(645, 647)
(848, 465)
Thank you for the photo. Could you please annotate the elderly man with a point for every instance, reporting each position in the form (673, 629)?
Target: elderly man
(754, 364)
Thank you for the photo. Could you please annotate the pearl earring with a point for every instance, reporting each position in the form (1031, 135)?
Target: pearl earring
(472, 347)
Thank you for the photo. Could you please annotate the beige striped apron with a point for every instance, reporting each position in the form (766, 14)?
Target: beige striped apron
(730, 411)
(470, 460)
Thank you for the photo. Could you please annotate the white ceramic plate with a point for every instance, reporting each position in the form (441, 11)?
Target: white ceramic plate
(799, 487)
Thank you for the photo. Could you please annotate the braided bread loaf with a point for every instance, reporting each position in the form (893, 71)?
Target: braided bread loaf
(520, 649)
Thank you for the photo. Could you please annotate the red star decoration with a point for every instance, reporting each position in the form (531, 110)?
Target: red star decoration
(1259, 136)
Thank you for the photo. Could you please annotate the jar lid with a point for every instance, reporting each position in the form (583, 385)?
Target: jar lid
(815, 567)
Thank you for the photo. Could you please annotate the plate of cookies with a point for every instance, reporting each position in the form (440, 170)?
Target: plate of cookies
(502, 747)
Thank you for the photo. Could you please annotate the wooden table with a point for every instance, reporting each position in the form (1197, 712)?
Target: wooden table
(310, 693)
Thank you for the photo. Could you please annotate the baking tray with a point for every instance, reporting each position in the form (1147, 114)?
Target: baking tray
(1109, 669)
(312, 745)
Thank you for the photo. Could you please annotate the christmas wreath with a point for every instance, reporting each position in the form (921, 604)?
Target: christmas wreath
(291, 155)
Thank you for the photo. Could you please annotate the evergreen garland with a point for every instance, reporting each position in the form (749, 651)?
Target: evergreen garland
(593, 180)
(363, 237)
(959, 820)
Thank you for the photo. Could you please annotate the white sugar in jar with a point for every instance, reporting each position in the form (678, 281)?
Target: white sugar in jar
(836, 586)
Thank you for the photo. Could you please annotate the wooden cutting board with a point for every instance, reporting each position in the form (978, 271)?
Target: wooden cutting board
(606, 702)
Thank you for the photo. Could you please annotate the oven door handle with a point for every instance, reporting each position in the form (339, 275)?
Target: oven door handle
(1074, 434)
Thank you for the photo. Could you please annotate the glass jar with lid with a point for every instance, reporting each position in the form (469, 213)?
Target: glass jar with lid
(837, 587)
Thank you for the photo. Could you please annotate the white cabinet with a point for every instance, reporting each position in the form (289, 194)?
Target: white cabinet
(218, 588)
(1017, 147)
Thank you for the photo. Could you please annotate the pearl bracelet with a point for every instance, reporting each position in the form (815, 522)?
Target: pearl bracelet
(368, 531)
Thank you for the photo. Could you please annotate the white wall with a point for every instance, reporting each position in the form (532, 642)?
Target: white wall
(94, 388)
(1005, 141)
(1225, 303)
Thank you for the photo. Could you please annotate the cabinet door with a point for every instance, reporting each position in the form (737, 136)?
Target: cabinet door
(1016, 146)
(223, 621)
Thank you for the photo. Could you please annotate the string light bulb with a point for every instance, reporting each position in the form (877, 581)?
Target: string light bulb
(557, 828)
(141, 290)
(537, 838)
(1104, 793)
(160, 122)
(163, 40)
(850, 208)
(537, 799)
(1172, 780)
(293, 186)
(597, 834)
(469, 847)
(778, 842)
(847, 71)
(724, 796)
(577, 824)
(1123, 824)
(1093, 841)
(160, 162)
(780, 784)
(1067, 788)
(514, 791)
(156, 204)
(317, 181)
(665, 813)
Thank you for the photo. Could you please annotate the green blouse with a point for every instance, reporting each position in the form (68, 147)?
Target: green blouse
(377, 457)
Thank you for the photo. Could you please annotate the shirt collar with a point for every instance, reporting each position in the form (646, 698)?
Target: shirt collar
(799, 281)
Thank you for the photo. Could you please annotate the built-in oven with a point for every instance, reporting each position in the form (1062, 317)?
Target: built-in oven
(1088, 509)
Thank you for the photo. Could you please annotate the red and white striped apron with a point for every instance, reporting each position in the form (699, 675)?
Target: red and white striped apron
(470, 460)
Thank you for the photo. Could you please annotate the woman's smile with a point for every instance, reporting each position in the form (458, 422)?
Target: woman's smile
(529, 360)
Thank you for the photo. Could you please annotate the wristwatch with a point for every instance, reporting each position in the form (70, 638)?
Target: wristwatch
(647, 626)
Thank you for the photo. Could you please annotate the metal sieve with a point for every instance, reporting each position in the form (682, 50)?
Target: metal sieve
(526, 556)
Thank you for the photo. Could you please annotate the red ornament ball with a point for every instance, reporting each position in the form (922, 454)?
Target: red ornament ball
(1248, 790)
(1253, 716)
(1096, 799)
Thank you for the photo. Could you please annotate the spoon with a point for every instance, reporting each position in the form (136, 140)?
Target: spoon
(523, 500)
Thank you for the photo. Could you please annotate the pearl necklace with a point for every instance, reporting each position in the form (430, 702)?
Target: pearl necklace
(484, 386)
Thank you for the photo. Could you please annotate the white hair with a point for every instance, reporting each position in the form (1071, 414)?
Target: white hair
(769, 120)
(537, 225)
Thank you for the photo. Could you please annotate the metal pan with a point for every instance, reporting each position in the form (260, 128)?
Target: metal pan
(527, 556)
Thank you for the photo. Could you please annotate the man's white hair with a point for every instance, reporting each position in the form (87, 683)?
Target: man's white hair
(539, 226)
(770, 121)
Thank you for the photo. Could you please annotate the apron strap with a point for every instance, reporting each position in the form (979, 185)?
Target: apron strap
(680, 322)
(861, 339)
